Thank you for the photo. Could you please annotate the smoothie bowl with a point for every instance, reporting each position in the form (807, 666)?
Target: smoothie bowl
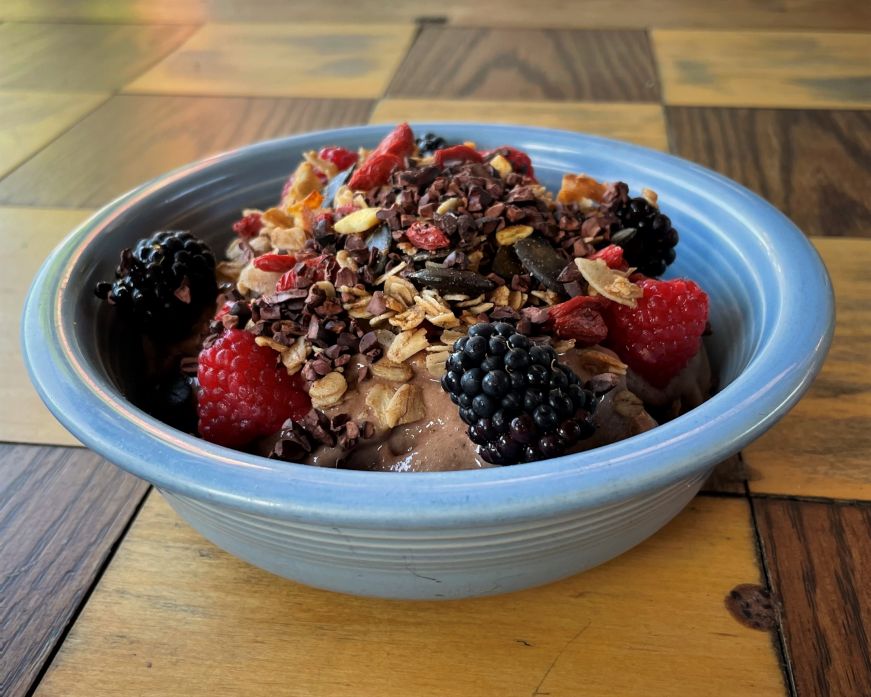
(451, 332)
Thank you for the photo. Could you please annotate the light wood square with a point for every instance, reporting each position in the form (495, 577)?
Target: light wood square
(764, 68)
(27, 235)
(303, 60)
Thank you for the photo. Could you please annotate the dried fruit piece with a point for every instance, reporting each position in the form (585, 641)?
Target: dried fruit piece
(375, 171)
(580, 318)
(399, 142)
(427, 236)
(612, 255)
(455, 154)
(274, 262)
(339, 156)
(248, 226)
(576, 188)
(518, 160)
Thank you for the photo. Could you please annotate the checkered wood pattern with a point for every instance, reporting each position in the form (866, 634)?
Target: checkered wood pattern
(96, 97)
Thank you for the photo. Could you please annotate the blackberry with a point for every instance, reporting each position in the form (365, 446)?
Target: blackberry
(428, 143)
(520, 403)
(165, 282)
(646, 235)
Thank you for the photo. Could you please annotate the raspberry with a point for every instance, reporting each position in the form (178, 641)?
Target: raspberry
(245, 392)
(249, 226)
(663, 332)
(520, 403)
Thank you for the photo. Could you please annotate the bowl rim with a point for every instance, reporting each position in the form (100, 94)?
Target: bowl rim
(778, 374)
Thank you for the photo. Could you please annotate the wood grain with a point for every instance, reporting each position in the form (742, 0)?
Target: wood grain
(175, 616)
(26, 237)
(282, 60)
(813, 165)
(61, 512)
(763, 68)
(528, 64)
(638, 123)
(823, 446)
(133, 138)
(819, 558)
(31, 119)
(611, 14)
(80, 57)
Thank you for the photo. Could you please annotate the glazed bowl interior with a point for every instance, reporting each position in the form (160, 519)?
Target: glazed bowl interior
(769, 337)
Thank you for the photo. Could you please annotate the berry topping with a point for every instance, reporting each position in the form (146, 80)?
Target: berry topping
(165, 282)
(249, 226)
(340, 157)
(375, 171)
(612, 255)
(274, 262)
(580, 318)
(427, 236)
(659, 336)
(428, 143)
(519, 160)
(520, 403)
(457, 153)
(399, 142)
(647, 237)
(244, 391)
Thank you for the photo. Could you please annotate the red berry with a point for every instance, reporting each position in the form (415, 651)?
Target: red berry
(399, 142)
(274, 262)
(375, 171)
(288, 280)
(249, 226)
(245, 392)
(663, 332)
(457, 153)
(340, 157)
(426, 236)
(612, 255)
(519, 160)
(580, 319)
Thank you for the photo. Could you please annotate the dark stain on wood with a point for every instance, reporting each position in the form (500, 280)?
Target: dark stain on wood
(752, 606)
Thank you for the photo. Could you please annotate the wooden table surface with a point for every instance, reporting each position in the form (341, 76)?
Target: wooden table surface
(760, 587)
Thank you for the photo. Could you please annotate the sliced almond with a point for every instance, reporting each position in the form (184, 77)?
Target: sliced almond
(474, 259)
(500, 296)
(471, 301)
(394, 304)
(328, 391)
(449, 336)
(304, 182)
(377, 399)
(357, 222)
(345, 260)
(395, 270)
(394, 372)
(435, 363)
(254, 281)
(406, 344)
(547, 296)
(481, 307)
(608, 282)
(344, 197)
(516, 299)
(228, 271)
(378, 320)
(501, 165)
(357, 309)
(291, 239)
(513, 233)
(274, 345)
(563, 345)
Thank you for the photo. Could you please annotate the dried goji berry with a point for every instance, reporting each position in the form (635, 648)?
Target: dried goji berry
(612, 255)
(580, 318)
(427, 236)
(274, 262)
(339, 156)
(249, 226)
(457, 153)
(375, 171)
(399, 142)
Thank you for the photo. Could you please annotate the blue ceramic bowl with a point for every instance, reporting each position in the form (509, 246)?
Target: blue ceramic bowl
(455, 534)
